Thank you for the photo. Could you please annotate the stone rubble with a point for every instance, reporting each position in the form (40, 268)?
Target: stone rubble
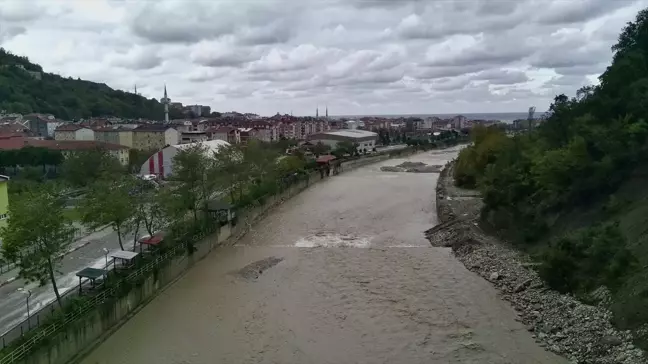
(559, 322)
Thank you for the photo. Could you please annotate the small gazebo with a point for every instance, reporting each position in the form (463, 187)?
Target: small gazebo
(221, 211)
(152, 241)
(125, 257)
(91, 274)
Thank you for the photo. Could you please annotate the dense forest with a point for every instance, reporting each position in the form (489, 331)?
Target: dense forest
(67, 98)
(563, 190)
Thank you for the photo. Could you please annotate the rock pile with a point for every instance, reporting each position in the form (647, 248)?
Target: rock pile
(560, 323)
(413, 167)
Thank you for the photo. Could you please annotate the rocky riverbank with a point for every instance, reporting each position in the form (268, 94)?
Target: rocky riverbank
(560, 323)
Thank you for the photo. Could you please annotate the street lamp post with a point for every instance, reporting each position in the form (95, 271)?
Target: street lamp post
(106, 256)
(28, 294)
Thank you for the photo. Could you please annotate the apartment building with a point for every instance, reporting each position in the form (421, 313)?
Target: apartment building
(73, 132)
(154, 136)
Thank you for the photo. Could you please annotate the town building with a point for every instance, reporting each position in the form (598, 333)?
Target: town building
(73, 132)
(193, 137)
(365, 140)
(247, 134)
(69, 147)
(115, 135)
(161, 162)
(154, 136)
(42, 125)
(225, 133)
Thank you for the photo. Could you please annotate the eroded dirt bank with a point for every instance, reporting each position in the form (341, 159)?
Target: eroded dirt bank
(341, 273)
(558, 322)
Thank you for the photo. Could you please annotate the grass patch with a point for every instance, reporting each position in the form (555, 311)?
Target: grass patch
(72, 213)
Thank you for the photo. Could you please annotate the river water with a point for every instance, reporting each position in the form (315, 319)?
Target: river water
(347, 277)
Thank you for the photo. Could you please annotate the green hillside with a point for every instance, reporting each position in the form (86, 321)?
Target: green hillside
(66, 98)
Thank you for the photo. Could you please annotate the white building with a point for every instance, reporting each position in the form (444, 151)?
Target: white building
(196, 109)
(73, 132)
(354, 124)
(161, 163)
(366, 140)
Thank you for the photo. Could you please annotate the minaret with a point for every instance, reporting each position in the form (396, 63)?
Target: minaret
(166, 101)
(326, 112)
(317, 113)
(135, 89)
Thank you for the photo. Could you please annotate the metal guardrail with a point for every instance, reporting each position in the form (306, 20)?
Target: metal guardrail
(6, 267)
(25, 348)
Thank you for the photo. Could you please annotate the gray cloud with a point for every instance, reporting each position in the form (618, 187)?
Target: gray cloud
(222, 55)
(501, 77)
(7, 33)
(358, 56)
(575, 11)
(137, 59)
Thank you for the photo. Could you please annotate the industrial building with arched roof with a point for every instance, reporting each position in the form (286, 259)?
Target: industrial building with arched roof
(160, 163)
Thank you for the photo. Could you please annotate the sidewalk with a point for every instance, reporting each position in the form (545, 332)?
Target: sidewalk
(11, 275)
(8, 277)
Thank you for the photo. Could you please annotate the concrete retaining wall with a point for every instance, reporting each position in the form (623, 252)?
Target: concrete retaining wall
(84, 334)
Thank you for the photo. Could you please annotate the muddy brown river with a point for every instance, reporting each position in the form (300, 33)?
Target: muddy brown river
(339, 274)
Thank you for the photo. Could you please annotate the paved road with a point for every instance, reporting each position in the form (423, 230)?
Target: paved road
(13, 307)
(341, 273)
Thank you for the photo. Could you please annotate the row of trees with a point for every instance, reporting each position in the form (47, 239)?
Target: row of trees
(30, 156)
(39, 231)
(579, 154)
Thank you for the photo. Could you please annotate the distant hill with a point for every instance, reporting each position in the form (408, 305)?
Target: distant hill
(25, 88)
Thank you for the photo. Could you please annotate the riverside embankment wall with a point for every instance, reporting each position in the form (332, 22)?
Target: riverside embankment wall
(81, 335)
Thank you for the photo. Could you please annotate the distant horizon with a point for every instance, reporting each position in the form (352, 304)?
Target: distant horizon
(504, 116)
(442, 113)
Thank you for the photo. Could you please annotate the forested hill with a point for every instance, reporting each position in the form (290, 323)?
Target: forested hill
(574, 191)
(66, 98)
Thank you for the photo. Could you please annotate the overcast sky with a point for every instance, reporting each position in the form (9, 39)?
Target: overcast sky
(356, 56)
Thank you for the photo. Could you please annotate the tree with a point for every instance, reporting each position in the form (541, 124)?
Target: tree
(346, 147)
(320, 148)
(258, 161)
(229, 171)
(83, 168)
(110, 203)
(37, 234)
(193, 184)
(136, 158)
(151, 211)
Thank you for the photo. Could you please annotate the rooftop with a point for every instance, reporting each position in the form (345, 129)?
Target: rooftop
(213, 146)
(69, 127)
(152, 128)
(352, 133)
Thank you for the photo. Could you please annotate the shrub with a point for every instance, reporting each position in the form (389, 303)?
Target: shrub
(587, 259)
